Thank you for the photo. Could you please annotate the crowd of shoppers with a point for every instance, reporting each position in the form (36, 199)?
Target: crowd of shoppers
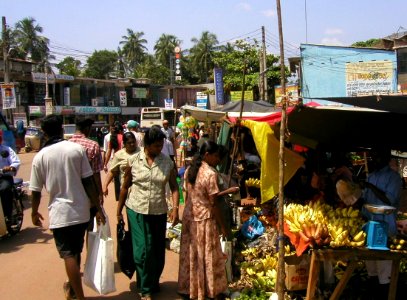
(143, 165)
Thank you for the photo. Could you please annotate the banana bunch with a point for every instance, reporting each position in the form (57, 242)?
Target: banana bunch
(261, 272)
(319, 224)
(309, 222)
(250, 253)
(342, 238)
(344, 226)
(253, 182)
(398, 245)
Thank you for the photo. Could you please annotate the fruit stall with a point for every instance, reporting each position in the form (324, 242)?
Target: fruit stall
(321, 237)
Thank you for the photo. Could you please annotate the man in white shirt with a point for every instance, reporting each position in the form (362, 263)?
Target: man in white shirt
(63, 169)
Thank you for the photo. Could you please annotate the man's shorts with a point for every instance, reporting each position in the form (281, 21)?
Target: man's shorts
(69, 240)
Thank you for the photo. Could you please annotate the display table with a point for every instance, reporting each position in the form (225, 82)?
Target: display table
(352, 256)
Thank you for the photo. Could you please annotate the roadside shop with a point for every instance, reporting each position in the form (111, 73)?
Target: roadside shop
(332, 230)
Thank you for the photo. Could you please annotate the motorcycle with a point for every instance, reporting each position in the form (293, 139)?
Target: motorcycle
(13, 225)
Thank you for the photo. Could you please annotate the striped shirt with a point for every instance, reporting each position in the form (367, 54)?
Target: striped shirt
(92, 149)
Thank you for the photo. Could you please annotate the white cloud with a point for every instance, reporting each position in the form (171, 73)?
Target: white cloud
(244, 6)
(269, 13)
(333, 31)
(332, 41)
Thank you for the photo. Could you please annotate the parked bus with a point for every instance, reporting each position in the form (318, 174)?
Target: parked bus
(156, 115)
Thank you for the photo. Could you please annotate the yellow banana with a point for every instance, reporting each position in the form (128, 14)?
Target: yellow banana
(359, 236)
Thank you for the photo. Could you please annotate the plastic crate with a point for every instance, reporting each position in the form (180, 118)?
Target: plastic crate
(376, 235)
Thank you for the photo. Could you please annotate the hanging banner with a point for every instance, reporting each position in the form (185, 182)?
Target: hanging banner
(168, 103)
(219, 95)
(8, 94)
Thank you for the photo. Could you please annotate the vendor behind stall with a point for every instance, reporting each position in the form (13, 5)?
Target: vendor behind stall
(382, 187)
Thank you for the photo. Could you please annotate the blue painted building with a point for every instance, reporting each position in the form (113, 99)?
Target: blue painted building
(335, 71)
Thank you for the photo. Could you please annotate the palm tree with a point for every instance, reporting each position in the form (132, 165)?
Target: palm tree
(133, 47)
(164, 48)
(202, 53)
(28, 40)
(121, 67)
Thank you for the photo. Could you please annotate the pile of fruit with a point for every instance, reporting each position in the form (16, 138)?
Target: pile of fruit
(259, 269)
(399, 245)
(319, 224)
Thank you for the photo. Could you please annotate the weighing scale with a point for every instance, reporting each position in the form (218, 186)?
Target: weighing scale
(376, 229)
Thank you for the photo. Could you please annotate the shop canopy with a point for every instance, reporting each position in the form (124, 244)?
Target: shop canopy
(259, 111)
(202, 114)
(391, 103)
(347, 128)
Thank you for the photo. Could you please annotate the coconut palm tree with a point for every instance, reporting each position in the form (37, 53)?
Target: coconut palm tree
(164, 48)
(202, 54)
(28, 40)
(134, 48)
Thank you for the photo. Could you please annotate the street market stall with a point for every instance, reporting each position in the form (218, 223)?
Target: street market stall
(320, 129)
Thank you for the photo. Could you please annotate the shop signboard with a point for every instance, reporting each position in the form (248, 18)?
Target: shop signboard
(8, 95)
(237, 95)
(96, 110)
(65, 110)
(123, 98)
(169, 103)
(38, 111)
(139, 93)
(369, 77)
(201, 100)
(290, 89)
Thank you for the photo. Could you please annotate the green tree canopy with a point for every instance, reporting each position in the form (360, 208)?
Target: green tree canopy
(164, 48)
(202, 54)
(101, 64)
(233, 60)
(69, 66)
(367, 43)
(28, 40)
(134, 48)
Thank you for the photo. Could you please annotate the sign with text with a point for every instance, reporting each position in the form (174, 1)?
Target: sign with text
(85, 110)
(201, 100)
(168, 103)
(369, 77)
(237, 95)
(219, 94)
(123, 98)
(139, 93)
(8, 95)
(290, 89)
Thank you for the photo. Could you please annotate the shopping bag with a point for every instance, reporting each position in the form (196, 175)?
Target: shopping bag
(99, 265)
(125, 251)
(227, 251)
(252, 228)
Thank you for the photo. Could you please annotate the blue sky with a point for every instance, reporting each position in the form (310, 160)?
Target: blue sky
(89, 25)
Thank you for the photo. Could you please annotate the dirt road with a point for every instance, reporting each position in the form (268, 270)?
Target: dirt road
(31, 268)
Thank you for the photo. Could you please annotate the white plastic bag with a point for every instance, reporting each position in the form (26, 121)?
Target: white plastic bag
(227, 250)
(99, 265)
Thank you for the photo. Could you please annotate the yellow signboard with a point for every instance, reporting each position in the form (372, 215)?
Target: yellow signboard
(237, 95)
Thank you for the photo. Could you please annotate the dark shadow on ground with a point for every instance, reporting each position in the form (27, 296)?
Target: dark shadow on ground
(30, 235)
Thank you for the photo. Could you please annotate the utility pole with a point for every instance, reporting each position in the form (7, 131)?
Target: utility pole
(5, 51)
(281, 262)
(264, 57)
